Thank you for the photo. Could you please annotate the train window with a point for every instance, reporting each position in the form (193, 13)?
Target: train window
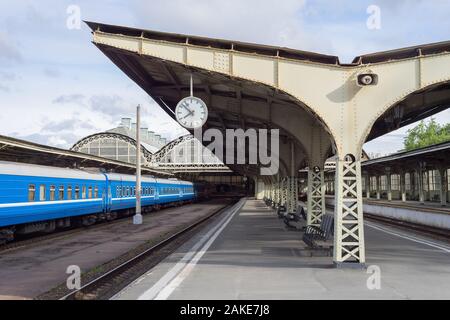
(118, 189)
(134, 191)
(95, 192)
(31, 192)
(128, 192)
(42, 192)
(52, 193)
(77, 192)
(69, 192)
(90, 192)
(83, 192)
(61, 193)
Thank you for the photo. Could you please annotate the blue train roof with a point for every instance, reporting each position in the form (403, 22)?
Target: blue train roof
(26, 169)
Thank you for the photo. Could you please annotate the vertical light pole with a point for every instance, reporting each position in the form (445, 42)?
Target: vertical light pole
(137, 218)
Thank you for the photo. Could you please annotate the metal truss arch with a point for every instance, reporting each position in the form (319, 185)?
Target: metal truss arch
(436, 103)
(110, 135)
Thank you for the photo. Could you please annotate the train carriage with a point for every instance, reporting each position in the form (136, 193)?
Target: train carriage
(33, 193)
(41, 198)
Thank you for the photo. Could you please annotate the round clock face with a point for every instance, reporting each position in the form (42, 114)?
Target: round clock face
(191, 112)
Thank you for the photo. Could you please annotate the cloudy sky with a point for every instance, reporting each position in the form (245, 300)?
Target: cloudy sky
(56, 87)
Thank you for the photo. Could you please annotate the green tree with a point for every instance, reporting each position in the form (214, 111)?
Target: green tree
(426, 134)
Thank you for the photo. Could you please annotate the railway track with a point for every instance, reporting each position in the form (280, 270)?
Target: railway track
(34, 240)
(436, 232)
(112, 281)
(426, 230)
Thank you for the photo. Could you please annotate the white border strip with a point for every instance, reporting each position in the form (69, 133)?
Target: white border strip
(411, 238)
(162, 289)
(46, 202)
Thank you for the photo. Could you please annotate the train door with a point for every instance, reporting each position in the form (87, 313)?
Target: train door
(180, 188)
(108, 208)
(156, 192)
(106, 195)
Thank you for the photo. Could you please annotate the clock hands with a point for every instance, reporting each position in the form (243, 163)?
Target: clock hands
(190, 113)
(189, 110)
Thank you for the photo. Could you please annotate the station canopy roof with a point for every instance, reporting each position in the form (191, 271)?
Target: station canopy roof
(167, 81)
(433, 156)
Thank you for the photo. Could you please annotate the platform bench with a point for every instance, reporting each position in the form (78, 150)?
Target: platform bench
(296, 220)
(320, 237)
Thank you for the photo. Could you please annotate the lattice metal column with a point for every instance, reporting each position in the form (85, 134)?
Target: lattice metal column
(277, 197)
(272, 192)
(316, 196)
(284, 191)
(292, 200)
(348, 225)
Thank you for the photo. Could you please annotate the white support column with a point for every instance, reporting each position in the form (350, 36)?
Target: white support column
(412, 181)
(316, 196)
(402, 185)
(348, 228)
(259, 188)
(368, 186)
(378, 184)
(443, 189)
(420, 184)
(389, 184)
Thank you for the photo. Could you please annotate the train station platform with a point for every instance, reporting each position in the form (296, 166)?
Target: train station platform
(249, 254)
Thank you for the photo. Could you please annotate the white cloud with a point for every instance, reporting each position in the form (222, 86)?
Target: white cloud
(264, 21)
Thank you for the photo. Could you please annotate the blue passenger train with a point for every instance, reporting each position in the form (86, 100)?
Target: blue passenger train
(37, 198)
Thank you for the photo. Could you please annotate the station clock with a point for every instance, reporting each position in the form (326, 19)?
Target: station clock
(191, 112)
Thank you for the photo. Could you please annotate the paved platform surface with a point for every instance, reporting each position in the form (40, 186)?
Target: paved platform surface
(251, 255)
(28, 272)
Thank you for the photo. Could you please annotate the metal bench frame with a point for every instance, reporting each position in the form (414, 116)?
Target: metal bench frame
(320, 237)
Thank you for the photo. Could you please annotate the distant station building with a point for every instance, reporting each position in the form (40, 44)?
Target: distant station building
(184, 156)
(418, 175)
(120, 143)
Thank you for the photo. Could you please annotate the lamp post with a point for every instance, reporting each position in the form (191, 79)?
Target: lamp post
(137, 218)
